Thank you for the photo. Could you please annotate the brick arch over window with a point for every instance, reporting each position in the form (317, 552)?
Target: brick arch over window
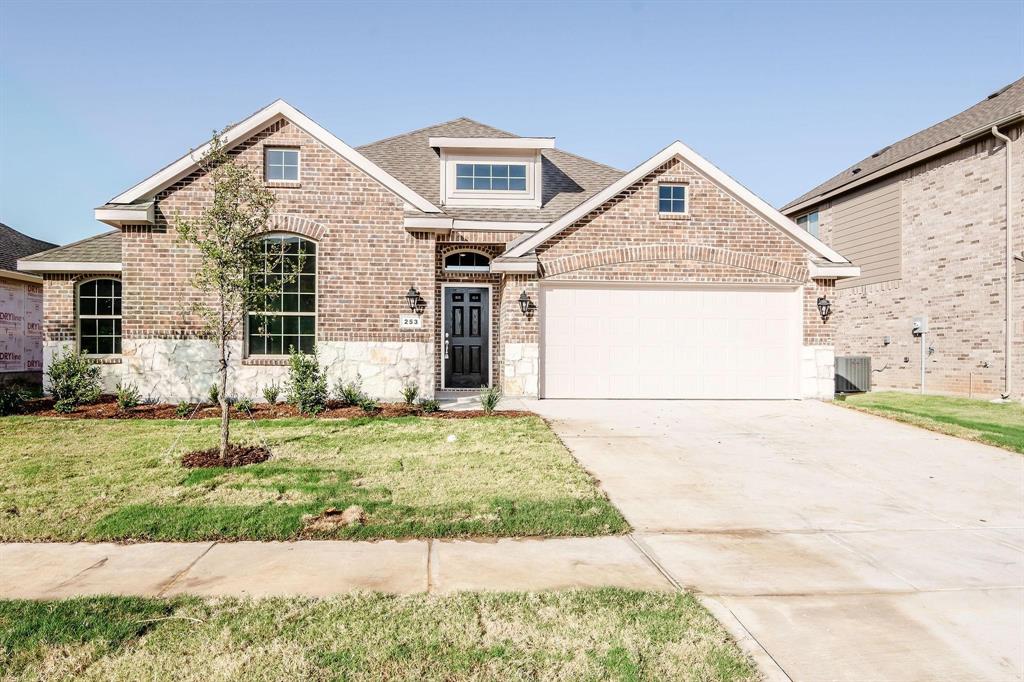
(297, 224)
(674, 252)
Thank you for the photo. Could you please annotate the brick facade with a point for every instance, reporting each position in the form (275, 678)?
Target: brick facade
(953, 239)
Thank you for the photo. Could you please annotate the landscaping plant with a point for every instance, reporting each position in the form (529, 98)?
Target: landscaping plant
(350, 392)
(182, 409)
(227, 236)
(410, 392)
(127, 396)
(369, 405)
(429, 405)
(74, 380)
(244, 405)
(271, 392)
(213, 394)
(12, 399)
(489, 399)
(307, 385)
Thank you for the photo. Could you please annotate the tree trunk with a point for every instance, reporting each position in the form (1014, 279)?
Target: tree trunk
(225, 416)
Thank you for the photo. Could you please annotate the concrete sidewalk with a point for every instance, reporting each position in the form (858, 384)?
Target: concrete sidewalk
(321, 568)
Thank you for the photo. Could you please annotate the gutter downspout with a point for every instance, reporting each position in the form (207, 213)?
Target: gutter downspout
(1007, 144)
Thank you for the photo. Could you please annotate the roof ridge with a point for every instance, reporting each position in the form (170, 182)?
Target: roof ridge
(35, 256)
(433, 125)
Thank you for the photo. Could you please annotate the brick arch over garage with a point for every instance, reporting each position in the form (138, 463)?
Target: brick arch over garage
(674, 252)
(297, 224)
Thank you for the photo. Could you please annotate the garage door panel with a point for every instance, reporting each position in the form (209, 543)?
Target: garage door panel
(620, 342)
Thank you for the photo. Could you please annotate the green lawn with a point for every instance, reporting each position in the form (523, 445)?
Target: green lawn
(578, 635)
(75, 479)
(999, 424)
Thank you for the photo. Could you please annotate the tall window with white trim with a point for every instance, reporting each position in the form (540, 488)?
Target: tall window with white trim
(99, 316)
(286, 318)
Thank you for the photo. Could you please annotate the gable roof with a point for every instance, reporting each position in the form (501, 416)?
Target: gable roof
(1000, 105)
(253, 124)
(15, 245)
(101, 252)
(677, 149)
(568, 179)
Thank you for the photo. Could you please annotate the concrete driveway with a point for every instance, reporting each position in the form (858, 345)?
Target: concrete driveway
(849, 547)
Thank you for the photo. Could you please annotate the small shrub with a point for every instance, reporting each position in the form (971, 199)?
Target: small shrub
(271, 392)
(12, 399)
(350, 393)
(213, 395)
(410, 392)
(244, 405)
(368, 405)
(307, 385)
(489, 399)
(428, 405)
(182, 409)
(74, 380)
(127, 396)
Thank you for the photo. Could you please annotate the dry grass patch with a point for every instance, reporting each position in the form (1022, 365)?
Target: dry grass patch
(414, 477)
(576, 635)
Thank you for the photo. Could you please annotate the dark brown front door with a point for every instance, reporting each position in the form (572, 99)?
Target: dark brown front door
(466, 337)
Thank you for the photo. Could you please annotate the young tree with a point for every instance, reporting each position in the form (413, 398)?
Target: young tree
(228, 236)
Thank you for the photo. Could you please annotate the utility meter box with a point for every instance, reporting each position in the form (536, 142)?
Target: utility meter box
(920, 325)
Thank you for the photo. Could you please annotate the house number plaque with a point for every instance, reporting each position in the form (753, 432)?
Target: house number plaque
(410, 322)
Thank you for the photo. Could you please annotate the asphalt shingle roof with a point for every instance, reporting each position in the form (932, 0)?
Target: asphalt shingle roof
(15, 245)
(569, 180)
(995, 107)
(101, 248)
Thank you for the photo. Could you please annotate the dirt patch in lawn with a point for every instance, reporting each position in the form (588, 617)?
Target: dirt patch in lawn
(237, 456)
(106, 408)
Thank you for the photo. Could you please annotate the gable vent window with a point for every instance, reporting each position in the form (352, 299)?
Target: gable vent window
(491, 177)
(282, 165)
(672, 199)
(467, 261)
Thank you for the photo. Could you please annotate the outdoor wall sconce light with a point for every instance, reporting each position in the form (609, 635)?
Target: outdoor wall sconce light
(412, 297)
(526, 305)
(824, 308)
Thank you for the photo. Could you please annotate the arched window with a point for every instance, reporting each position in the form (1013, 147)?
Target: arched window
(99, 316)
(286, 318)
(467, 261)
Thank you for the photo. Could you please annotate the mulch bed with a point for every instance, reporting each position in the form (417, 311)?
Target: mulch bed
(106, 408)
(237, 456)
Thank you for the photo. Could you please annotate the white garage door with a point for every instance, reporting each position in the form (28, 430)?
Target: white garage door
(669, 343)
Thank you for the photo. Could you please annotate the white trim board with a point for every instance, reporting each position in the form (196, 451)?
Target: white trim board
(66, 266)
(492, 142)
(702, 165)
(242, 131)
(490, 330)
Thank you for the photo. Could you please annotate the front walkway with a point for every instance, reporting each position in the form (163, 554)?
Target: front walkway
(321, 568)
(848, 546)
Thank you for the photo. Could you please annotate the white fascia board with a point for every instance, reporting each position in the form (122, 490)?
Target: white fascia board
(514, 266)
(142, 213)
(832, 270)
(496, 226)
(20, 276)
(702, 165)
(492, 142)
(428, 224)
(242, 131)
(66, 266)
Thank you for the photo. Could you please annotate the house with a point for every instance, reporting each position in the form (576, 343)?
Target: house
(21, 310)
(927, 221)
(459, 256)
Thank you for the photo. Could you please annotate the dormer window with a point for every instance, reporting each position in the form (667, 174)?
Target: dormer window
(491, 177)
(496, 172)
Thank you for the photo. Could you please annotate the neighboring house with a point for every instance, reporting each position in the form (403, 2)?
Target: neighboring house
(926, 218)
(21, 310)
(460, 256)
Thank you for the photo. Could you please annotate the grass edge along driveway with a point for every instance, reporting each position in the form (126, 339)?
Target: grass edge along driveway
(569, 635)
(998, 424)
(70, 480)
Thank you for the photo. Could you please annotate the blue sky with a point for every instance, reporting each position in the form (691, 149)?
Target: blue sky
(96, 96)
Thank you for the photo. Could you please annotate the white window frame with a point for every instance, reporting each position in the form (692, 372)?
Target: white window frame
(497, 198)
(686, 199)
(266, 164)
(316, 300)
(806, 217)
(467, 268)
(79, 316)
